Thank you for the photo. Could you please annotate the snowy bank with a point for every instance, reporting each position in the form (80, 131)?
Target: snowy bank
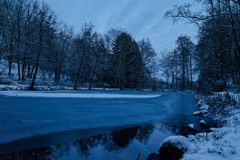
(222, 143)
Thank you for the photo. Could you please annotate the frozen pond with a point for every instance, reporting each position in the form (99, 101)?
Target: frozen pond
(120, 123)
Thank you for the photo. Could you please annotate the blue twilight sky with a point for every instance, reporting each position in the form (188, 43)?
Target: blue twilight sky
(142, 18)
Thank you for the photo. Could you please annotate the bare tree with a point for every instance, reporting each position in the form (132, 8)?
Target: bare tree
(45, 22)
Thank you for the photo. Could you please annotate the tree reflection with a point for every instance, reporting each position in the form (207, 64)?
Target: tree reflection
(144, 133)
(36, 154)
(122, 138)
(117, 140)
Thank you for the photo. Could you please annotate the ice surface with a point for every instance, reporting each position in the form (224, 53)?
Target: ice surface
(24, 117)
(74, 95)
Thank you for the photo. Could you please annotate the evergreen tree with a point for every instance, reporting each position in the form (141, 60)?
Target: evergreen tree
(128, 63)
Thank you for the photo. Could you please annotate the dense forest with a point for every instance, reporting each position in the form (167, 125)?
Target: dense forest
(41, 46)
(44, 48)
(217, 52)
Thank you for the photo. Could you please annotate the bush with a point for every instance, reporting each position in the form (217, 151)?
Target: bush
(220, 104)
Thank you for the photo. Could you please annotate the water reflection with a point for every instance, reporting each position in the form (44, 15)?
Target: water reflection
(121, 144)
(131, 143)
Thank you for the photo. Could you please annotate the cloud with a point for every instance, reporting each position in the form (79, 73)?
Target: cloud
(142, 18)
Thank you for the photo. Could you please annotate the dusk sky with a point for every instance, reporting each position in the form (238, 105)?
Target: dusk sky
(142, 18)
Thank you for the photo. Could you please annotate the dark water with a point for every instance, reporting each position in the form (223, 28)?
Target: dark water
(122, 144)
(133, 141)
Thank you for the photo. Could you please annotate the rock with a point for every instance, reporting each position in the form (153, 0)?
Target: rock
(191, 126)
(188, 130)
(200, 103)
(173, 148)
(200, 113)
(204, 108)
(203, 124)
(154, 156)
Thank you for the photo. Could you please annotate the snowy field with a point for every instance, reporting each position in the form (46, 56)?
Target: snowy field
(28, 114)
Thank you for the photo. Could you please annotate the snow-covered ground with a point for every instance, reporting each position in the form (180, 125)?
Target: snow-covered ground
(11, 82)
(24, 117)
(222, 143)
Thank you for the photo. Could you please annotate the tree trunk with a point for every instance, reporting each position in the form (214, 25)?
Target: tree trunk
(59, 73)
(10, 59)
(58, 78)
(91, 81)
(29, 71)
(23, 69)
(18, 45)
(39, 53)
(183, 72)
(10, 66)
(191, 73)
(55, 75)
(19, 70)
(35, 71)
(173, 80)
(77, 79)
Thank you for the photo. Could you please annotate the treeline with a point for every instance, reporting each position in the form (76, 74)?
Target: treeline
(217, 53)
(33, 38)
(178, 66)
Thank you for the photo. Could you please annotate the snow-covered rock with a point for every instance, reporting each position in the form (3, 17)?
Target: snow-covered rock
(174, 147)
(191, 126)
(203, 124)
(200, 103)
(204, 107)
(200, 113)
(188, 130)
(203, 110)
